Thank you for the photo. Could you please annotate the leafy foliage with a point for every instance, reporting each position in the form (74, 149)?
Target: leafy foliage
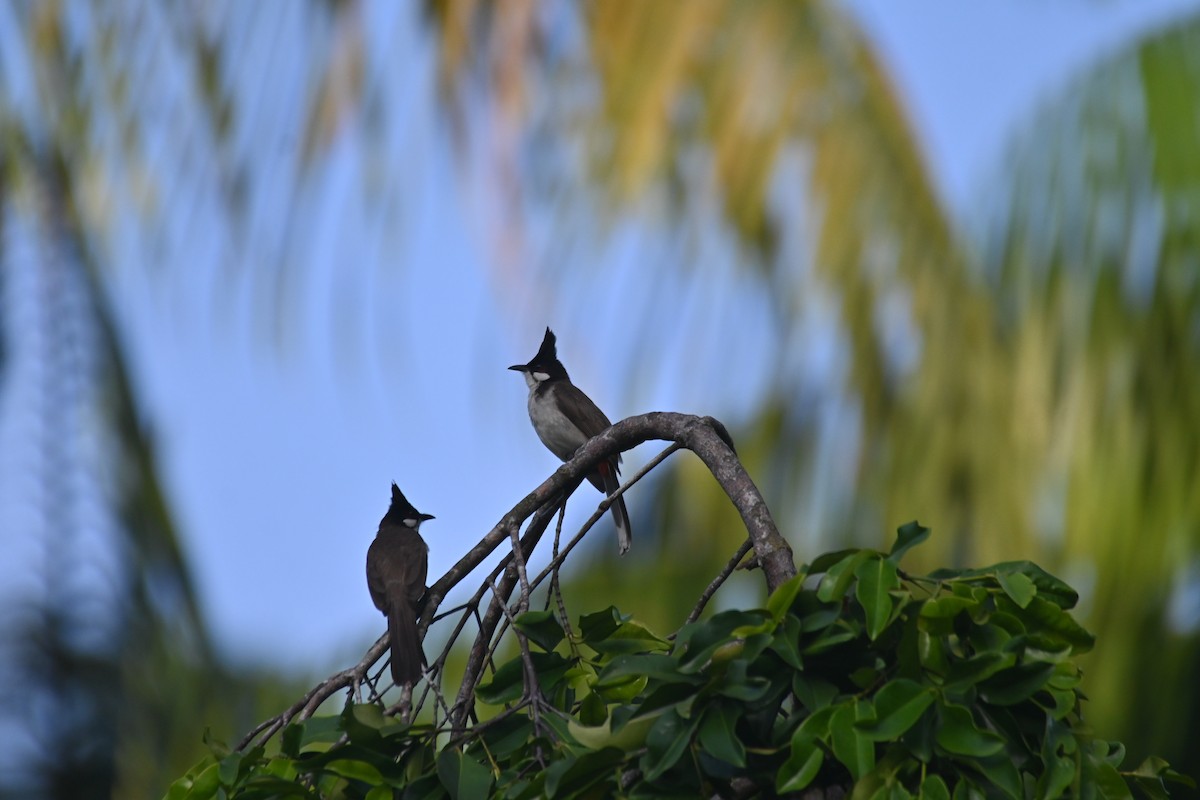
(855, 675)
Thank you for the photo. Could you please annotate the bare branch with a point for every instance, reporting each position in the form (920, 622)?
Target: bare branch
(487, 626)
(723, 576)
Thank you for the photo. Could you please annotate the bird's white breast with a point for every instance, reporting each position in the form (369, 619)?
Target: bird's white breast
(559, 434)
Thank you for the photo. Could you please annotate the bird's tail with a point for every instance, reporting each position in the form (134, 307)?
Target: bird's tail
(402, 632)
(620, 514)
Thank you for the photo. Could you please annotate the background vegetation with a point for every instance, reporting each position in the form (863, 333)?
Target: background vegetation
(1028, 381)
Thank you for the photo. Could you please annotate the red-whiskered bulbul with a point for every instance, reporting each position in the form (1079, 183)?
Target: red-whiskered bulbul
(397, 563)
(565, 419)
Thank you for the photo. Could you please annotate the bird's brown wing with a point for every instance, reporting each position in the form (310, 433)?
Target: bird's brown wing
(577, 406)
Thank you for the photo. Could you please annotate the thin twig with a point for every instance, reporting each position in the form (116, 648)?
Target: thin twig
(533, 692)
(487, 626)
(555, 592)
(519, 561)
(599, 513)
(711, 589)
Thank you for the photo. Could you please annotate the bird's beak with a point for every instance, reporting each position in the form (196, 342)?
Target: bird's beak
(426, 517)
(520, 367)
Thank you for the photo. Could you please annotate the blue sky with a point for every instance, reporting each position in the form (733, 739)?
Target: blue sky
(278, 459)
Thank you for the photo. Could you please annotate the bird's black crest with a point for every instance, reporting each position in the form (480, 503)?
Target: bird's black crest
(399, 501)
(548, 352)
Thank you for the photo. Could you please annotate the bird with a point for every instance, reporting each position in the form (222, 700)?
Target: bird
(397, 563)
(565, 418)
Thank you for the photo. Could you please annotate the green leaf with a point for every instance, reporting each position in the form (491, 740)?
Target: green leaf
(977, 668)
(947, 607)
(705, 638)
(1058, 776)
(629, 736)
(506, 686)
(593, 710)
(827, 560)
(654, 666)
(958, 734)
(630, 636)
(283, 768)
(320, 731)
(463, 777)
(1066, 676)
(623, 689)
(1062, 702)
(507, 736)
(669, 737)
(1043, 616)
(260, 787)
(600, 624)
(718, 734)
(898, 706)
(780, 601)
(786, 643)
(205, 784)
(1002, 773)
(1109, 783)
(820, 618)
(799, 769)
(357, 770)
(838, 578)
(919, 739)
(1150, 787)
(1151, 774)
(291, 739)
(815, 726)
(1015, 684)
(806, 757)
(508, 682)
(933, 788)
(1017, 586)
(737, 683)
(542, 628)
(855, 750)
(230, 766)
(1155, 767)
(832, 637)
(908, 536)
(814, 693)
(362, 721)
(931, 651)
(876, 577)
(668, 694)
(571, 776)
(1048, 587)
(965, 790)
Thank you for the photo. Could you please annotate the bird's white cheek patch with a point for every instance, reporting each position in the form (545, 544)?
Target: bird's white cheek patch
(412, 523)
(540, 376)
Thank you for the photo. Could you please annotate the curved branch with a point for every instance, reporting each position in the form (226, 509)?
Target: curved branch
(708, 439)
(704, 436)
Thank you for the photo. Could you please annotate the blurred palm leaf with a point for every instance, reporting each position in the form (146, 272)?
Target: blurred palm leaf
(105, 135)
(1094, 250)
